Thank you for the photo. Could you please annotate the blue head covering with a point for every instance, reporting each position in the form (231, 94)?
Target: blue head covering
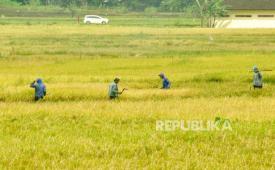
(39, 81)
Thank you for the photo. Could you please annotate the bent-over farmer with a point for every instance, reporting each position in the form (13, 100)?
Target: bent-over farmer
(165, 82)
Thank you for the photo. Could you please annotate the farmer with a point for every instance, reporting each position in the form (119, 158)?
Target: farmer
(257, 79)
(165, 82)
(40, 89)
(113, 89)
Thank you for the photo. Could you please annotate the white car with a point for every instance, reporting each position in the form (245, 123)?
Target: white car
(94, 19)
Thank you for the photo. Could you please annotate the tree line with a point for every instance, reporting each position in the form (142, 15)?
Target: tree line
(207, 10)
(131, 5)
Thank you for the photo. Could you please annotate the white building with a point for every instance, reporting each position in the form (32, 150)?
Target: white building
(248, 14)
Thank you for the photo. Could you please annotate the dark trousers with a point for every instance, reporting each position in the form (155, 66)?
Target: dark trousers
(113, 97)
(36, 98)
(258, 87)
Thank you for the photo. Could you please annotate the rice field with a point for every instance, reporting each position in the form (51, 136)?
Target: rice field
(77, 127)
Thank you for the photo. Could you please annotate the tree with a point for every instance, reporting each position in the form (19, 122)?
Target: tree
(131, 5)
(176, 5)
(209, 10)
(22, 2)
(216, 8)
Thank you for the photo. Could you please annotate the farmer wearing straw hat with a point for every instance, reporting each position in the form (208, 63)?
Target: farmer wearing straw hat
(113, 89)
(257, 78)
(40, 89)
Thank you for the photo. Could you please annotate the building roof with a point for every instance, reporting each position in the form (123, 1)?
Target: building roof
(251, 4)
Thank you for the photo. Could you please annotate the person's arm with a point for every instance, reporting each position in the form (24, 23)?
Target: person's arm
(122, 91)
(260, 76)
(45, 91)
(33, 84)
(163, 84)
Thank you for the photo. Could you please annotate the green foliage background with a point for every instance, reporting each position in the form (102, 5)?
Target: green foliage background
(130, 5)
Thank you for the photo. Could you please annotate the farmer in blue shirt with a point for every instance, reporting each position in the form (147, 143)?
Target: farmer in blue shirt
(165, 82)
(113, 89)
(40, 89)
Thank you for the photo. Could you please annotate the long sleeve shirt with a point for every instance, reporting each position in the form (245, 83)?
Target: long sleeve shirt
(166, 83)
(40, 89)
(258, 79)
(113, 90)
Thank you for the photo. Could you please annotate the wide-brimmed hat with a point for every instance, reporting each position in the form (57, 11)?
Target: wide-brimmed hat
(117, 79)
(161, 74)
(255, 69)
